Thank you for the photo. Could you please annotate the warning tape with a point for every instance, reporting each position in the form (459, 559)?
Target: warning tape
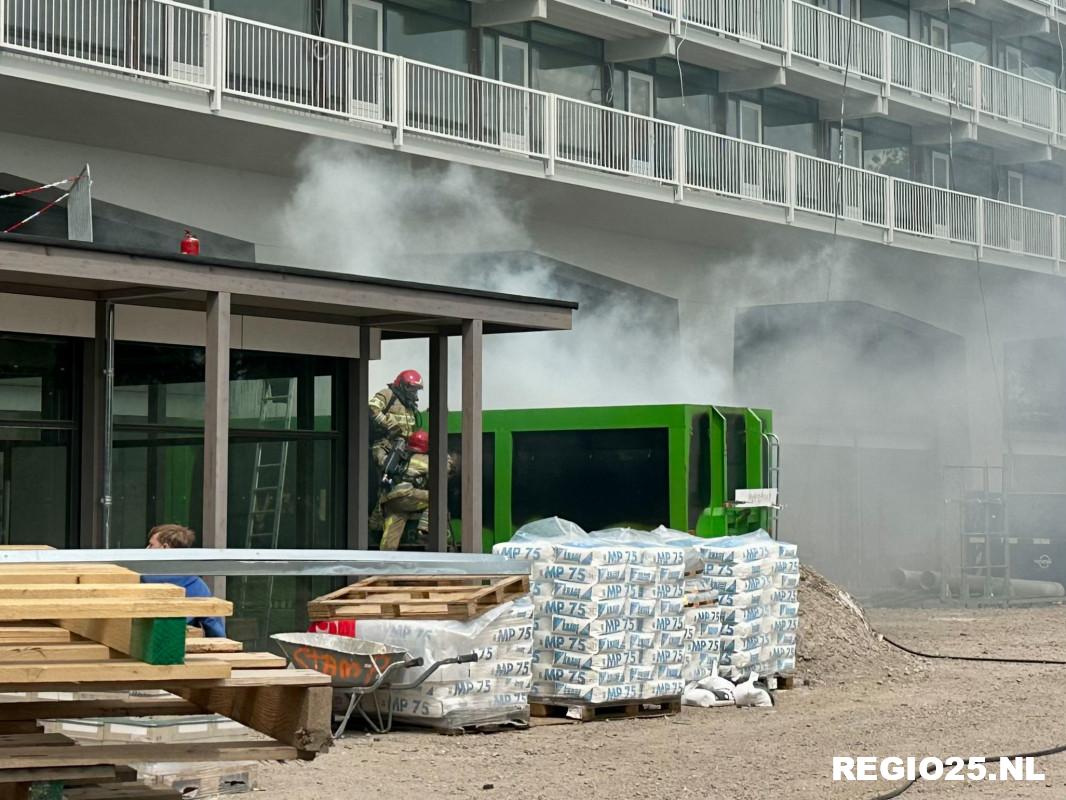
(33, 189)
(37, 213)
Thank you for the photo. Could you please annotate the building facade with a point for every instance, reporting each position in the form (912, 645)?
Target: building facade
(907, 157)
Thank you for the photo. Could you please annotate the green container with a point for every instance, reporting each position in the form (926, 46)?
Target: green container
(633, 466)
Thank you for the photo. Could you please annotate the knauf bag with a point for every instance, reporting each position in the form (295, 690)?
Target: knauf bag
(578, 644)
(740, 658)
(643, 641)
(745, 570)
(788, 566)
(671, 640)
(667, 688)
(670, 672)
(576, 608)
(600, 661)
(786, 550)
(668, 623)
(753, 628)
(670, 607)
(783, 596)
(739, 549)
(578, 626)
(578, 574)
(589, 694)
(657, 591)
(734, 585)
(787, 609)
(593, 553)
(784, 580)
(744, 599)
(781, 624)
(731, 616)
(640, 673)
(588, 591)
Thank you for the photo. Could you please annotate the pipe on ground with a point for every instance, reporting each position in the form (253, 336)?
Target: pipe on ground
(1019, 587)
(907, 579)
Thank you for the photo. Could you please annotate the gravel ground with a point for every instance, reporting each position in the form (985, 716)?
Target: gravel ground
(880, 705)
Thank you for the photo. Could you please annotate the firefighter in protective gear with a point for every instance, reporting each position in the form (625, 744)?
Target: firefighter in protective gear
(408, 496)
(394, 414)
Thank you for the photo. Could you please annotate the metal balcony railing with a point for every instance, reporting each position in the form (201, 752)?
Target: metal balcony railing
(760, 21)
(230, 57)
(1011, 97)
(835, 40)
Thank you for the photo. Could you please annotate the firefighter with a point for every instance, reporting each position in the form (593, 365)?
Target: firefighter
(405, 495)
(394, 414)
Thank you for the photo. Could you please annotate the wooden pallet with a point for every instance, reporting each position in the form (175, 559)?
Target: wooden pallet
(419, 597)
(593, 712)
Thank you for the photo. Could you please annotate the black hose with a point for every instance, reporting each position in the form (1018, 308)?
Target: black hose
(992, 659)
(1035, 754)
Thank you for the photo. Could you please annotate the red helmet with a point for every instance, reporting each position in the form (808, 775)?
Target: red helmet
(410, 378)
(418, 442)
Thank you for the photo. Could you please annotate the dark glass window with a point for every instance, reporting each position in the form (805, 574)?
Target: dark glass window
(431, 38)
(1035, 385)
(687, 98)
(886, 147)
(790, 121)
(597, 478)
(286, 463)
(973, 170)
(890, 16)
(38, 381)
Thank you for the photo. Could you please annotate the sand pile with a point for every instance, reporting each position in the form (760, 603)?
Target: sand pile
(836, 644)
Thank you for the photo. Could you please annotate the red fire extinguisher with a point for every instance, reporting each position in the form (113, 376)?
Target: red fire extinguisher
(190, 245)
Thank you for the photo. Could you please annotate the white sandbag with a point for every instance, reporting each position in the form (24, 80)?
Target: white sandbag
(587, 591)
(748, 694)
(547, 640)
(694, 696)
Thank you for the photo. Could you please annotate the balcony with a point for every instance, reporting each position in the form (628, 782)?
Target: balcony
(274, 76)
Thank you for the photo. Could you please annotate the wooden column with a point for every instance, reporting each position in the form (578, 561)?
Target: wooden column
(471, 437)
(359, 446)
(438, 443)
(216, 427)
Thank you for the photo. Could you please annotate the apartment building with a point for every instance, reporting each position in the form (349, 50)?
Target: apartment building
(893, 165)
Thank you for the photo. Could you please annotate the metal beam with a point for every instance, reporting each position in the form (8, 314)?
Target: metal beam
(752, 79)
(135, 293)
(216, 425)
(238, 561)
(939, 5)
(471, 436)
(642, 49)
(438, 444)
(359, 446)
(507, 12)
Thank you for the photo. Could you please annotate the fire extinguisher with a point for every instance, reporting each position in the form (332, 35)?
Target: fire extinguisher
(190, 245)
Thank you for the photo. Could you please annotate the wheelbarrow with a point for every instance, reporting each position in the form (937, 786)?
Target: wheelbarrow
(358, 668)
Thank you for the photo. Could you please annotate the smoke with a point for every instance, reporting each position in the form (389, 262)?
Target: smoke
(452, 225)
(883, 366)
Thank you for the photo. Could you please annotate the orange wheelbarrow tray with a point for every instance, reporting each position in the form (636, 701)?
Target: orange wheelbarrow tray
(358, 668)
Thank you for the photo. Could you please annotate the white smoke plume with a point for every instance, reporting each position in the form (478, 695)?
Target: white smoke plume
(367, 215)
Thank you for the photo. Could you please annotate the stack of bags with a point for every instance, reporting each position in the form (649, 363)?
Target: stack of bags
(784, 611)
(493, 690)
(609, 613)
(741, 571)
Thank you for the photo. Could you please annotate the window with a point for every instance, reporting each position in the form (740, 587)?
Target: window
(887, 147)
(974, 171)
(687, 98)
(38, 376)
(790, 121)
(432, 38)
(286, 462)
(890, 16)
(971, 37)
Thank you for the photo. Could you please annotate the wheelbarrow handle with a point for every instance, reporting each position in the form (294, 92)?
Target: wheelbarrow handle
(414, 662)
(466, 659)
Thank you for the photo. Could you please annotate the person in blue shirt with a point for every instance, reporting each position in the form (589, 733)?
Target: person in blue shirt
(164, 537)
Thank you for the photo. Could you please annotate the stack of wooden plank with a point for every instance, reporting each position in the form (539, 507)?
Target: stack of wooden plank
(419, 597)
(97, 628)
